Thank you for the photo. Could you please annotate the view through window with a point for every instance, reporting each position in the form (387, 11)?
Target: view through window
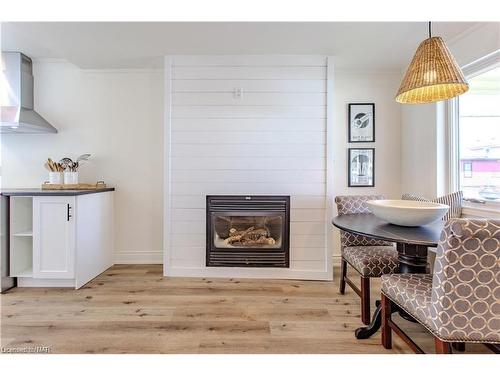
(479, 134)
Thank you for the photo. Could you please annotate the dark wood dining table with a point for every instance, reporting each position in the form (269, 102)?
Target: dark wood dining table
(411, 244)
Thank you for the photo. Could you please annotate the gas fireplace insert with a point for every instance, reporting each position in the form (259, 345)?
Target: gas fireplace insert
(248, 231)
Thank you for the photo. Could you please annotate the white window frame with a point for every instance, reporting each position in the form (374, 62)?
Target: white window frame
(472, 207)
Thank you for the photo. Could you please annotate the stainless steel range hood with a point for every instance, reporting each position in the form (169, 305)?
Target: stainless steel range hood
(16, 97)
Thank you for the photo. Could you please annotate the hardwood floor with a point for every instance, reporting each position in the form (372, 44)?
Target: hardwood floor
(133, 309)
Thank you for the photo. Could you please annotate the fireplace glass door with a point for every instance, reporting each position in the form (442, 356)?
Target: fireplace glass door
(243, 230)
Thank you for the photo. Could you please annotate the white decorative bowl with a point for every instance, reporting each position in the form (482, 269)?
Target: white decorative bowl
(407, 213)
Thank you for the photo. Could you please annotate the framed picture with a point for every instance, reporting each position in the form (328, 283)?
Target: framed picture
(361, 122)
(361, 167)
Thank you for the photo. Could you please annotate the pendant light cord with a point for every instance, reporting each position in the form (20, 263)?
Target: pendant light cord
(429, 29)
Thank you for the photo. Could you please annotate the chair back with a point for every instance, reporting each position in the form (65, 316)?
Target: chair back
(413, 197)
(454, 200)
(356, 204)
(466, 282)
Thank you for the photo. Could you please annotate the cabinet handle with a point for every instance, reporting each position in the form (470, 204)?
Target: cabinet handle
(68, 212)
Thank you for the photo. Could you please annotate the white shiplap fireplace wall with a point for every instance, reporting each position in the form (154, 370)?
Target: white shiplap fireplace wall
(248, 125)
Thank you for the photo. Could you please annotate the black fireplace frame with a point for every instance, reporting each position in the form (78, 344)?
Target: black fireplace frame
(236, 205)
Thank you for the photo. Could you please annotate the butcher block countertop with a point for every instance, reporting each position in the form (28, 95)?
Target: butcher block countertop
(38, 192)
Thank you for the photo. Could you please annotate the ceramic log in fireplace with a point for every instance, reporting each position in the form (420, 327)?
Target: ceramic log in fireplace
(248, 231)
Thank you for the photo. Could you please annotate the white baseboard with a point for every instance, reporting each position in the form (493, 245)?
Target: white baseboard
(251, 273)
(156, 257)
(152, 257)
(29, 282)
(138, 257)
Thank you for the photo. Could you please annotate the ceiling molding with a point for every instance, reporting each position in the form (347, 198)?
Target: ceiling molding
(466, 32)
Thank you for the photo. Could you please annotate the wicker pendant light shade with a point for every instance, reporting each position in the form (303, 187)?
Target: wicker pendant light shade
(433, 75)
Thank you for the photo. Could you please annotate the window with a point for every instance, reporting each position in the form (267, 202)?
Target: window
(467, 168)
(479, 137)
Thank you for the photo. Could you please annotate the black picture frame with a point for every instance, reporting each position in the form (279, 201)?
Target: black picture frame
(350, 156)
(351, 112)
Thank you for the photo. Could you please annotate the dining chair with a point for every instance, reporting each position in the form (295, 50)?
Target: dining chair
(454, 200)
(368, 256)
(414, 197)
(460, 302)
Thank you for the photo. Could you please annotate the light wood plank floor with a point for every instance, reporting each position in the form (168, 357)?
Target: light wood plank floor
(133, 309)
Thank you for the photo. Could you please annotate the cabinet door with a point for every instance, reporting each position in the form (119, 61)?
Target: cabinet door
(53, 237)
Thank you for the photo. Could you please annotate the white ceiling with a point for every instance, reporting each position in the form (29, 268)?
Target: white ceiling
(91, 45)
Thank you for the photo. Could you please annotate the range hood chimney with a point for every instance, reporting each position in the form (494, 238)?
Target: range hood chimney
(16, 97)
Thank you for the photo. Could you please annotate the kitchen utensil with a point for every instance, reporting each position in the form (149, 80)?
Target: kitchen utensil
(83, 157)
(66, 163)
(54, 167)
(51, 166)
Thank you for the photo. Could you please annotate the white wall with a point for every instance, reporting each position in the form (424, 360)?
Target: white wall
(117, 117)
(271, 141)
(368, 87)
(419, 149)
(423, 134)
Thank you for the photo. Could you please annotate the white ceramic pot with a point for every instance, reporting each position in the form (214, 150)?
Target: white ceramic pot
(70, 178)
(407, 213)
(55, 178)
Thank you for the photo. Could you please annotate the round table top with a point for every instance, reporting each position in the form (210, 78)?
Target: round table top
(372, 226)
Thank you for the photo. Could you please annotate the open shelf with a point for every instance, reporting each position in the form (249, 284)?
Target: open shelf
(21, 256)
(21, 214)
(21, 237)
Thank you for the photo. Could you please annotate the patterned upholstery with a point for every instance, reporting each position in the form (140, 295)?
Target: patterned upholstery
(356, 204)
(464, 303)
(369, 256)
(372, 261)
(413, 197)
(410, 291)
(454, 200)
(466, 285)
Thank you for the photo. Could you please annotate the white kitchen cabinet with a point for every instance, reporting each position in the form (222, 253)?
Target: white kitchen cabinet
(54, 237)
(60, 239)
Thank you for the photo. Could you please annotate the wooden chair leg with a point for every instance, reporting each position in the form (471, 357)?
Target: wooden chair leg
(365, 300)
(386, 329)
(459, 346)
(442, 347)
(343, 273)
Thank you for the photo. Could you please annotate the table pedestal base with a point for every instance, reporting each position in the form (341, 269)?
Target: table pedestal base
(412, 259)
(374, 326)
